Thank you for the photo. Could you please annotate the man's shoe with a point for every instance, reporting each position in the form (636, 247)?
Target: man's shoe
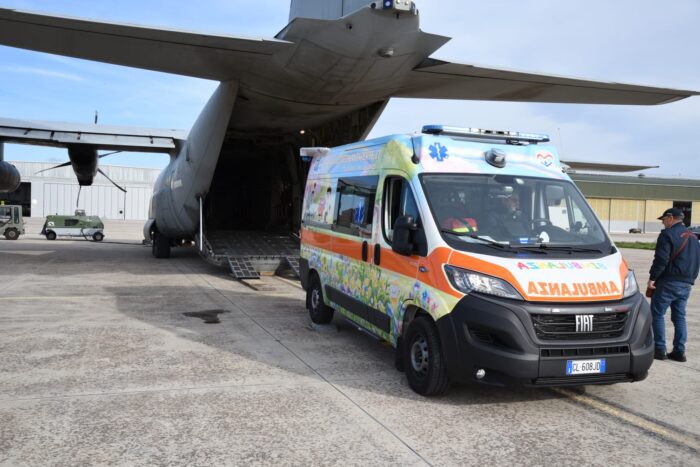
(677, 356)
(660, 354)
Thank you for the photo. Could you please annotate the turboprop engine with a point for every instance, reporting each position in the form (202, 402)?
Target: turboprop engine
(9, 175)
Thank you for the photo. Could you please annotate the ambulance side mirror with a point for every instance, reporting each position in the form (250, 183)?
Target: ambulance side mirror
(402, 241)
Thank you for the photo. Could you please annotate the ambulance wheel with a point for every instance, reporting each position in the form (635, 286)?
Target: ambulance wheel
(50, 235)
(161, 245)
(98, 236)
(319, 312)
(12, 234)
(424, 363)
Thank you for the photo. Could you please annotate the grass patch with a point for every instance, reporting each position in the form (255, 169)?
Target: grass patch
(637, 245)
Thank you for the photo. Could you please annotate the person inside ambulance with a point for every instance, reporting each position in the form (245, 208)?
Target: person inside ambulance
(506, 220)
(452, 215)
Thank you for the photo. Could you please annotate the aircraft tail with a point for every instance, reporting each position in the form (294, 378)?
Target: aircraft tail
(324, 9)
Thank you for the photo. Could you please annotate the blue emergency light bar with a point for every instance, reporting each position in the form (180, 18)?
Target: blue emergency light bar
(511, 137)
(400, 5)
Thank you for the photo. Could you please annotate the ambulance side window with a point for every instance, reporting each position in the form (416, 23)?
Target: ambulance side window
(398, 201)
(71, 222)
(355, 205)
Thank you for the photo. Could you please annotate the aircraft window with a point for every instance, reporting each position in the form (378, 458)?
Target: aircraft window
(71, 222)
(398, 201)
(355, 201)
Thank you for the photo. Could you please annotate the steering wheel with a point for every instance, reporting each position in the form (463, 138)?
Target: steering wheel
(540, 222)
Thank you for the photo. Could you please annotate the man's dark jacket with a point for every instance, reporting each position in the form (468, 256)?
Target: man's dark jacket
(685, 267)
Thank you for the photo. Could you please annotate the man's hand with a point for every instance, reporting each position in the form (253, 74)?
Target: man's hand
(651, 285)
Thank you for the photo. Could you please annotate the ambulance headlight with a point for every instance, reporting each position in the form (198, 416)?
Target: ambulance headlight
(631, 286)
(469, 281)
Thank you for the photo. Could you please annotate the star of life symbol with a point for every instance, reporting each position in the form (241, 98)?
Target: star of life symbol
(438, 152)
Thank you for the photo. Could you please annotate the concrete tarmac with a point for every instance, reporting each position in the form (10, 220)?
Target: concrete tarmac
(100, 365)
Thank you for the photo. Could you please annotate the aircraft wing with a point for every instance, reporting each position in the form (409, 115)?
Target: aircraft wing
(57, 134)
(199, 55)
(605, 166)
(437, 79)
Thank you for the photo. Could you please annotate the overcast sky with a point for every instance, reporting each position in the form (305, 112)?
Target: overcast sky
(647, 42)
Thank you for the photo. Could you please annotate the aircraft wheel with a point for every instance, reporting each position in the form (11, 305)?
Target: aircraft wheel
(12, 234)
(50, 235)
(319, 312)
(98, 236)
(161, 245)
(424, 363)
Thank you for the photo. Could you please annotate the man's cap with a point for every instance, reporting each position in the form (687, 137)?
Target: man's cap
(675, 212)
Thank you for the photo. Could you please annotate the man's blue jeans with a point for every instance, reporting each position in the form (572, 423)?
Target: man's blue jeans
(675, 294)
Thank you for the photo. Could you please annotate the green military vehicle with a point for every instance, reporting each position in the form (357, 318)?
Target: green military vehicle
(78, 225)
(11, 221)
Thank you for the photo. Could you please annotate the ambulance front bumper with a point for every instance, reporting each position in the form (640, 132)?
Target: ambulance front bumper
(506, 339)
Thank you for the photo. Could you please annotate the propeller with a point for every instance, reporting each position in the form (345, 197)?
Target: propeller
(113, 182)
(65, 164)
(100, 156)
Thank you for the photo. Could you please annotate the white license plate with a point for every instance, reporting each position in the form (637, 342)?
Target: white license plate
(585, 367)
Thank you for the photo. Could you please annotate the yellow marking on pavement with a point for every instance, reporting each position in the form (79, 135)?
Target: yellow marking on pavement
(635, 420)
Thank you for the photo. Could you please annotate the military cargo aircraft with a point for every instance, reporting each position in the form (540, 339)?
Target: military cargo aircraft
(323, 80)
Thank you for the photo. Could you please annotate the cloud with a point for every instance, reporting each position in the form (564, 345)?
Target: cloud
(41, 72)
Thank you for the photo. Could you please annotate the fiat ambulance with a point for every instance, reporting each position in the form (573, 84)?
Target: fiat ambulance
(475, 256)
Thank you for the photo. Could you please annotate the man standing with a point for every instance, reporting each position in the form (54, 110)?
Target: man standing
(672, 274)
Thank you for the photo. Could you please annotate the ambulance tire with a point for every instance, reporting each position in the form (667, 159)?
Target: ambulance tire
(161, 245)
(50, 235)
(319, 312)
(424, 363)
(98, 236)
(12, 234)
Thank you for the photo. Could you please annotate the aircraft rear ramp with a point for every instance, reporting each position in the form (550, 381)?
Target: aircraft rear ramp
(250, 254)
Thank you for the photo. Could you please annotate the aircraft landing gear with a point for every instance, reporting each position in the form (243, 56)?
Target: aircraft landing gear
(160, 247)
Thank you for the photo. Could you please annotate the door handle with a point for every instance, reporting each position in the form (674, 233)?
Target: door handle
(365, 248)
(377, 254)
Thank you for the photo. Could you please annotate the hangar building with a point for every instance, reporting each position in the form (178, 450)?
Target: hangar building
(635, 202)
(56, 191)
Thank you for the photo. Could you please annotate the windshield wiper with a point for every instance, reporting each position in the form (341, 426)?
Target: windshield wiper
(544, 246)
(475, 237)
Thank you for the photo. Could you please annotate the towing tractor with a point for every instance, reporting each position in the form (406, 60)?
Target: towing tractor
(11, 222)
(79, 225)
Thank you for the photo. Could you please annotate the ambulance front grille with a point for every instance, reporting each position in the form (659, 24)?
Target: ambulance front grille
(550, 327)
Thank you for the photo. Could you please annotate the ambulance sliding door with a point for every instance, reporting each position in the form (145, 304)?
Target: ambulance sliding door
(353, 285)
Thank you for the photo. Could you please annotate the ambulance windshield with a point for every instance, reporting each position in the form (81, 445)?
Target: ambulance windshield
(517, 212)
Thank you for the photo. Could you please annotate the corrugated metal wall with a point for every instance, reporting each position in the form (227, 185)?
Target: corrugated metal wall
(97, 200)
(56, 191)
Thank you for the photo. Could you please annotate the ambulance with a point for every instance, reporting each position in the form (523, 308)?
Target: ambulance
(475, 256)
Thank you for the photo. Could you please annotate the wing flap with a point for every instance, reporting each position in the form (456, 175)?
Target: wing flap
(181, 52)
(436, 79)
(57, 134)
